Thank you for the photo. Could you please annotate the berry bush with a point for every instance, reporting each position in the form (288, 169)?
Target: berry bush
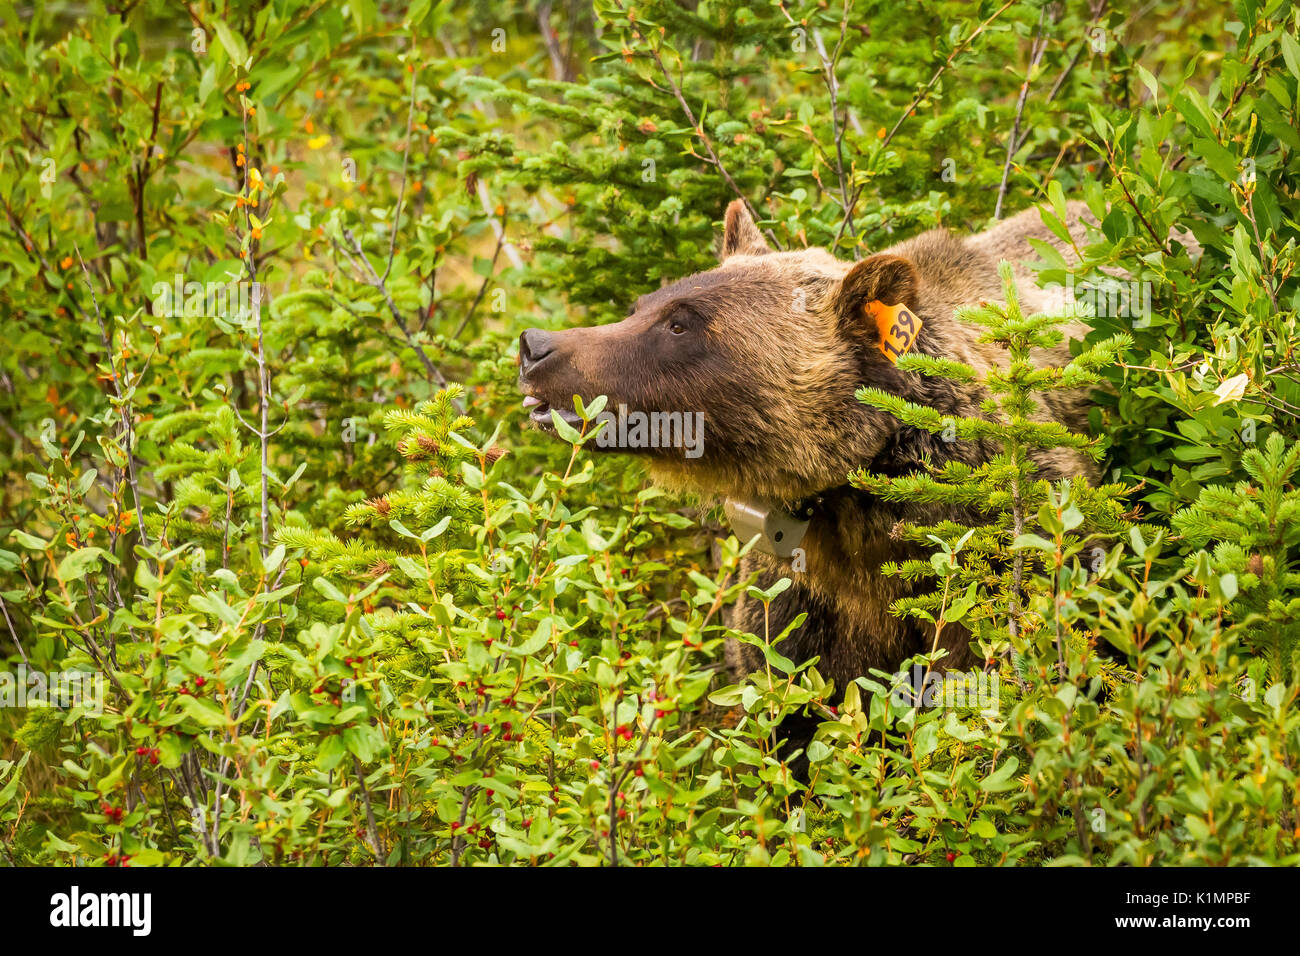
(268, 487)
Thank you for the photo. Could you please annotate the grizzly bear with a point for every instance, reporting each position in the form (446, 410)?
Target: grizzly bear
(766, 352)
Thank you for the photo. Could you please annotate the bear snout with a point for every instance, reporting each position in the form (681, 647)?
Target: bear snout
(545, 378)
(534, 346)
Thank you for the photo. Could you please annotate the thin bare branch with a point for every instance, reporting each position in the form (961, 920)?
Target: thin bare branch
(1037, 50)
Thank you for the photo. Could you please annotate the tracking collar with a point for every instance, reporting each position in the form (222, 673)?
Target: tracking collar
(779, 531)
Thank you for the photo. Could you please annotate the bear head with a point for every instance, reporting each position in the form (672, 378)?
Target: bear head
(762, 355)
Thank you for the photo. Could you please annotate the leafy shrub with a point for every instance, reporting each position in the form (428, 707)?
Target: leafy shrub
(266, 475)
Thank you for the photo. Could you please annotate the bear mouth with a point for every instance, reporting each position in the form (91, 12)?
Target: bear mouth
(539, 413)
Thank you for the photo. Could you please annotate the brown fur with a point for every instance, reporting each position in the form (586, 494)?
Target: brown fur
(771, 346)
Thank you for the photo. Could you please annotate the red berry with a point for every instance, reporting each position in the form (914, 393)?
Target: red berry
(501, 615)
(950, 856)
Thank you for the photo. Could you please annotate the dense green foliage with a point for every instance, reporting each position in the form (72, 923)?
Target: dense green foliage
(349, 609)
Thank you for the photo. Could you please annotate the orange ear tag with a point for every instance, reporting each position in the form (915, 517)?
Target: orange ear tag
(899, 326)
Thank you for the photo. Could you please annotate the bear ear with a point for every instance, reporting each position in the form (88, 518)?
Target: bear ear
(739, 234)
(885, 279)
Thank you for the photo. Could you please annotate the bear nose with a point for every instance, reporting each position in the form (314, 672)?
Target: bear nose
(534, 345)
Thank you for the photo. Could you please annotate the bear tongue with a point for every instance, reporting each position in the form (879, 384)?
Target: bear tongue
(531, 400)
(541, 414)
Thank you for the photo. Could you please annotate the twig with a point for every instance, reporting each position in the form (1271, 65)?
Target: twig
(1065, 74)
(838, 129)
(833, 88)
(558, 62)
(1110, 162)
(406, 158)
(12, 632)
(696, 125)
(484, 199)
(956, 51)
(1013, 142)
(615, 784)
(123, 406)
(377, 282)
(482, 289)
(239, 713)
(497, 226)
(943, 68)
(1249, 210)
(1241, 88)
(371, 830)
(263, 377)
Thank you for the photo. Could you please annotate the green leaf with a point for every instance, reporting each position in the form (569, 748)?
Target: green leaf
(437, 529)
(564, 429)
(272, 560)
(203, 711)
(29, 541)
(1034, 541)
(1291, 53)
(331, 751)
(541, 638)
(232, 42)
(79, 562)
(329, 590)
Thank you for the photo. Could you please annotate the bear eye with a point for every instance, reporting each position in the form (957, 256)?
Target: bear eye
(679, 318)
